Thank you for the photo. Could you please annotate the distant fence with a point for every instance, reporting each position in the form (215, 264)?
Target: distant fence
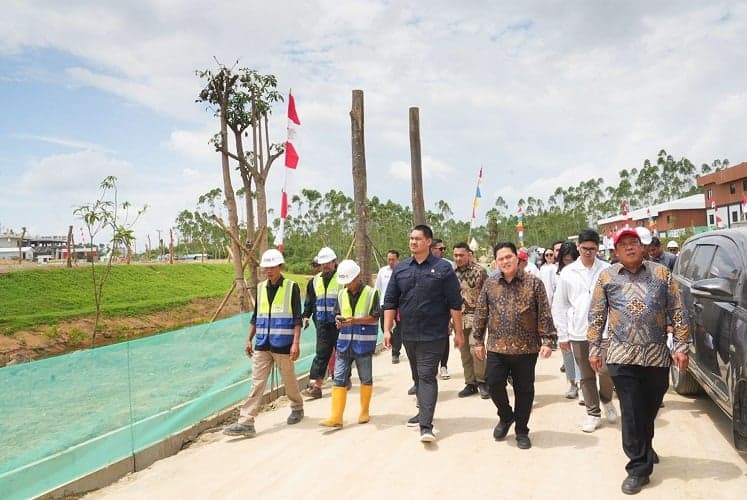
(66, 417)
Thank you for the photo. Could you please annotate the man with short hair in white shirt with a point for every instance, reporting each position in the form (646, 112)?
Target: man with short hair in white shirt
(570, 310)
(382, 281)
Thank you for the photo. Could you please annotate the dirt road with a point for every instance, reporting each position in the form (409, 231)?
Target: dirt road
(385, 459)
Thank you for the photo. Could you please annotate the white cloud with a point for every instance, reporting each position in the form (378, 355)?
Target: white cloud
(539, 94)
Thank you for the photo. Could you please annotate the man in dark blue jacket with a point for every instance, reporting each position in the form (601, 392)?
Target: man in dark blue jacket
(426, 291)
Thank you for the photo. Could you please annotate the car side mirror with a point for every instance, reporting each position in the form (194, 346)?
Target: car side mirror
(713, 289)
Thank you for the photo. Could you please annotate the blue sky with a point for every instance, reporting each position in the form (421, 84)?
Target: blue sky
(541, 94)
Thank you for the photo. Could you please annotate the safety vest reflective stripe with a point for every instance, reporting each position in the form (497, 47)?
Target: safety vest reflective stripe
(326, 299)
(275, 321)
(362, 338)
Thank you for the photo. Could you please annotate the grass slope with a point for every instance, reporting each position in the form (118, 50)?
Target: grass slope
(47, 296)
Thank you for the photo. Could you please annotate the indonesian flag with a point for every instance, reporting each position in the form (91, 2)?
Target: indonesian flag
(744, 204)
(291, 162)
(624, 207)
(713, 204)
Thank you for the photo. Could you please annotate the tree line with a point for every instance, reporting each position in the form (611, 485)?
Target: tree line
(326, 219)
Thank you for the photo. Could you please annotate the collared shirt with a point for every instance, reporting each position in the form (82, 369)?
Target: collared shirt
(516, 314)
(425, 295)
(635, 306)
(471, 278)
(295, 307)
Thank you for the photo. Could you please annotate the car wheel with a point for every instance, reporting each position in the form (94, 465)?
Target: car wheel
(684, 383)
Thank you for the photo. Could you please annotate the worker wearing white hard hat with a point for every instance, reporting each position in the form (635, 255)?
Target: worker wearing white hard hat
(673, 247)
(645, 236)
(274, 337)
(321, 298)
(357, 314)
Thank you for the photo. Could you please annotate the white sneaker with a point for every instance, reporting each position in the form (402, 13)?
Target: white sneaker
(444, 373)
(610, 411)
(581, 398)
(590, 423)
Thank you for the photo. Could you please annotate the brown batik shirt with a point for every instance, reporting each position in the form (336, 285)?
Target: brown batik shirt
(516, 314)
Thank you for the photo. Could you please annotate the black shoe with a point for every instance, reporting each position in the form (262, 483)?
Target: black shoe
(468, 390)
(523, 442)
(484, 391)
(395, 359)
(501, 429)
(633, 484)
(656, 457)
(562, 368)
(294, 417)
(412, 391)
(414, 421)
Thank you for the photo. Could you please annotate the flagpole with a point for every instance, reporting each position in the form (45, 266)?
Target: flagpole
(475, 204)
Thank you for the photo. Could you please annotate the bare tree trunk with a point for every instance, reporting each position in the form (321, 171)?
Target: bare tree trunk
(246, 179)
(362, 241)
(418, 203)
(69, 246)
(233, 218)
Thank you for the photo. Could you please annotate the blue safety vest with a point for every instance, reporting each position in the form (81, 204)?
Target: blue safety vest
(326, 298)
(275, 321)
(361, 337)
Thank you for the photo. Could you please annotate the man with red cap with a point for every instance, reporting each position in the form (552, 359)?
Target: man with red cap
(635, 298)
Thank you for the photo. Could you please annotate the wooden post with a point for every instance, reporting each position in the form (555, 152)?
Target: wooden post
(20, 246)
(70, 246)
(171, 246)
(362, 241)
(418, 203)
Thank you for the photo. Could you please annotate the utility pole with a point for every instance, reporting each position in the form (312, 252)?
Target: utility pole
(418, 203)
(70, 246)
(362, 241)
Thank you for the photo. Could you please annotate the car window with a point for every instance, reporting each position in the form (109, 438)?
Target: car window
(724, 264)
(700, 263)
(683, 259)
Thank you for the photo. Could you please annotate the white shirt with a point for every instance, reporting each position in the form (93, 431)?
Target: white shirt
(549, 276)
(570, 305)
(382, 281)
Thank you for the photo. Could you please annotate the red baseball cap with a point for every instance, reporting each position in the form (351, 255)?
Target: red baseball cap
(625, 232)
(523, 254)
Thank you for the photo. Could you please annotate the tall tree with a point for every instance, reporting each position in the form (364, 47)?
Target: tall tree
(219, 89)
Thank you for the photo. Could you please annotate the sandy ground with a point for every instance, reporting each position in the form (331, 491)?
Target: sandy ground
(386, 459)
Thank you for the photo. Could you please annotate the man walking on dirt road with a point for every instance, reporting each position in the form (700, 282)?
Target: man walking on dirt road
(635, 298)
(426, 291)
(513, 306)
(277, 326)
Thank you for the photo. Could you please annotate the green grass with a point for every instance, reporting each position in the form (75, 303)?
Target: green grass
(47, 296)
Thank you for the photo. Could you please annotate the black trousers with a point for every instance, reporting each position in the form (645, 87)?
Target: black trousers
(445, 355)
(424, 358)
(326, 339)
(521, 368)
(641, 390)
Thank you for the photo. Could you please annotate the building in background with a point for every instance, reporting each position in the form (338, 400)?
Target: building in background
(665, 220)
(725, 194)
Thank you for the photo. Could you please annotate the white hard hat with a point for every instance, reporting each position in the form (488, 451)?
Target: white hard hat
(672, 244)
(644, 235)
(271, 258)
(602, 248)
(347, 271)
(326, 255)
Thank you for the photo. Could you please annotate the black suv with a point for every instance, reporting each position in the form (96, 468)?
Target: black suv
(710, 272)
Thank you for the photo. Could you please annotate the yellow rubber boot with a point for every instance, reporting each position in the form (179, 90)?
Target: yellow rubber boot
(339, 395)
(366, 391)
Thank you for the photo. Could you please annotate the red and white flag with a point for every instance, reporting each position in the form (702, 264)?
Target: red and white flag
(291, 162)
(744, 203)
